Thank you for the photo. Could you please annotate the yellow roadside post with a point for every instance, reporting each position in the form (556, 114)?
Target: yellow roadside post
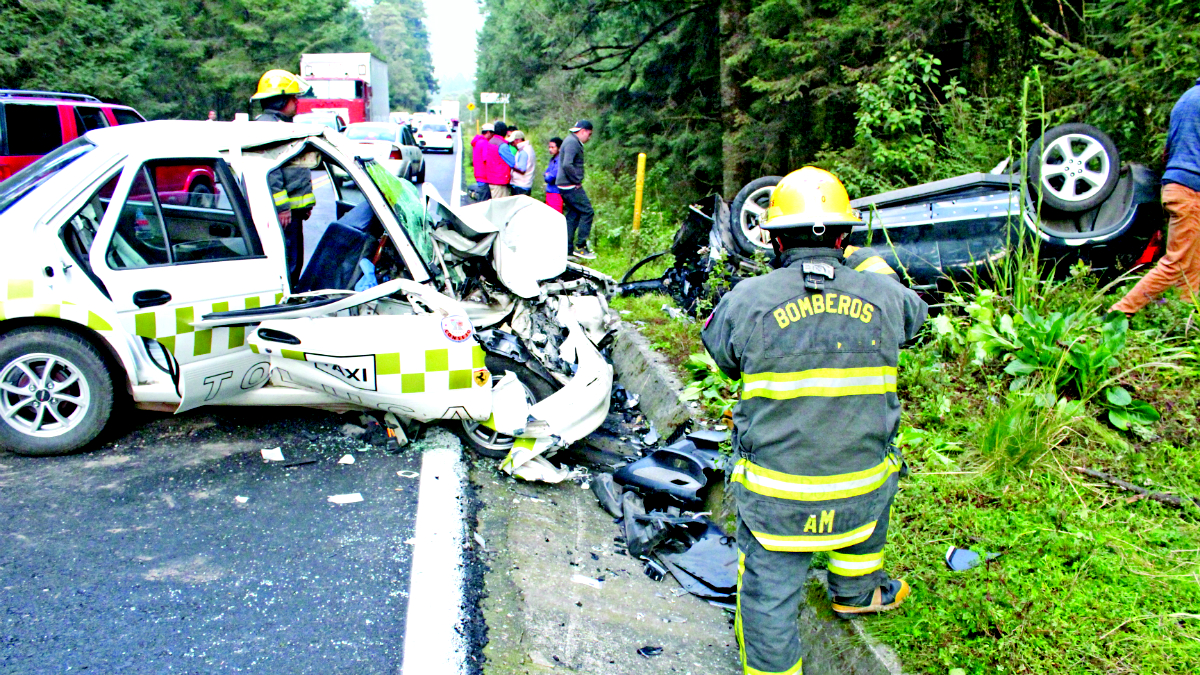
(637, 195)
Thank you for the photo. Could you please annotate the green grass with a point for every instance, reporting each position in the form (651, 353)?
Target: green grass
(1091, 580)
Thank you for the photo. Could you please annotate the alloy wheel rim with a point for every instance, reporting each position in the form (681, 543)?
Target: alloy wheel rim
(1072, 162)
(490, 438)
(754, 212)
(43, 395)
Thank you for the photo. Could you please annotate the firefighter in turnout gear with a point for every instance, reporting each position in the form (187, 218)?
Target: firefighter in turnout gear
(291, 185)
(816, 344)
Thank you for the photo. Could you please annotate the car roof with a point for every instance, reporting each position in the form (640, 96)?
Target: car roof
(198, 136)
(34, 96)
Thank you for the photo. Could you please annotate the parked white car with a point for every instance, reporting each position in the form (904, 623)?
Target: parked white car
(117, 283)
(392, 145)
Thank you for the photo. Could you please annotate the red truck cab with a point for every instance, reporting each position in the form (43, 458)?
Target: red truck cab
(32, 123)
(348, 97)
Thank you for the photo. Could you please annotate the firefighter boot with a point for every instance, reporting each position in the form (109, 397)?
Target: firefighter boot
(880, 599)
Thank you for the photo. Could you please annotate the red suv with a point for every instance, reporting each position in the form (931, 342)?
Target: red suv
(32, 123)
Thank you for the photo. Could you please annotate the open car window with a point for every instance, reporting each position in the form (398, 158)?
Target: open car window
(179, 212)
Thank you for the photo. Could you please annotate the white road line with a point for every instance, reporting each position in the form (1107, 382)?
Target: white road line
(433, 639)
(456, 185)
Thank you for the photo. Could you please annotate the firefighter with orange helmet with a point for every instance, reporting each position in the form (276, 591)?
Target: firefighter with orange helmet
(816, 344)
(291, 185)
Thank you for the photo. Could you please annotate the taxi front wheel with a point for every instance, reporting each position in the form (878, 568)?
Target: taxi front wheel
(56, 393)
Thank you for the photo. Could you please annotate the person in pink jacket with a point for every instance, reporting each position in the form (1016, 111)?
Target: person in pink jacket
(479, 162)
(497, 172)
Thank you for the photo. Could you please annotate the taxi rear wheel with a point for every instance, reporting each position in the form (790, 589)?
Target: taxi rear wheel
(56, 393)
(488, 442)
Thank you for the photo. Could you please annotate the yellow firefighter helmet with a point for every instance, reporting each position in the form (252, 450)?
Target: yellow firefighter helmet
(280, 83)
(809, 197)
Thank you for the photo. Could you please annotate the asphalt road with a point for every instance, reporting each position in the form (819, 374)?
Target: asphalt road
(140, 558)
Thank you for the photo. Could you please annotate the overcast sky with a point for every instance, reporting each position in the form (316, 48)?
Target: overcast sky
(452, 28)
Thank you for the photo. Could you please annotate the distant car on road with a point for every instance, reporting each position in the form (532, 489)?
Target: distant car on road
(328, 119)
(36, 122)
(392, 145)
(435, 136)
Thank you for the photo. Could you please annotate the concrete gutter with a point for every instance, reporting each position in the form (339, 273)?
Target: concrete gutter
(832, 646)
(646, 373)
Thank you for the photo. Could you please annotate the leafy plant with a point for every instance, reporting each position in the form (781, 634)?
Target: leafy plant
(1125, 412)
(716, 390)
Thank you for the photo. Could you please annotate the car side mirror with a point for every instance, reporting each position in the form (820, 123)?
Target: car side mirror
(220, 230)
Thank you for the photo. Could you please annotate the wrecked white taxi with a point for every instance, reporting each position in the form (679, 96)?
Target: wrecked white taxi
(119, 281)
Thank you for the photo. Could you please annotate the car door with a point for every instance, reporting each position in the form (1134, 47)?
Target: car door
(30, 130)
(417, 357)
(167, 261)
(411, 151)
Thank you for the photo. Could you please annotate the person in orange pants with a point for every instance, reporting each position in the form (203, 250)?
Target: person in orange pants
(1181, 200)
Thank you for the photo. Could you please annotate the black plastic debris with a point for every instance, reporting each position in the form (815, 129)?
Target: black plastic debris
(668, 471)
(655, 570)
(712, 559)
(642, 533)
(649, 651)
(961, 559)
(698, 588)
(608, 494)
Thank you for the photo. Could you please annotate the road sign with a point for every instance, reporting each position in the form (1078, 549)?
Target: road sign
(470, 106)
(489, 97)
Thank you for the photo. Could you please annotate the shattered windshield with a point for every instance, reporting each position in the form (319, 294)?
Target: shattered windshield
(405, 201)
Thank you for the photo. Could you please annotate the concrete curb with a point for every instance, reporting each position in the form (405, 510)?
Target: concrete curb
(832, 646)
(646, 373)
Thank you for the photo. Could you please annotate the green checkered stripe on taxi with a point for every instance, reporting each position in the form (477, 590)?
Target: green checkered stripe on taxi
(423, 370)
(172, 326)
(24, 299)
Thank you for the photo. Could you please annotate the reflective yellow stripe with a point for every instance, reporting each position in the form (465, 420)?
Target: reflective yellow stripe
(850, 565)
(280, 197)
(304, 201)
(820, 382)
(815, 542)
(794, 670)
(737, 617)
(812, 488)
(874, 264)
(849, 251)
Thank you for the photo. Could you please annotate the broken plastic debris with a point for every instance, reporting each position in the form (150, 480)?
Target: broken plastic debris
(240, 499)
(961, 559)
(649, 651)
(353, 430)
(351, 498)
(480, 540)
(272, 454)
(537, 659)
(407, 474)
(346, 459)
(654, 570)
(651, 436)
(674, 619)
(586, 581)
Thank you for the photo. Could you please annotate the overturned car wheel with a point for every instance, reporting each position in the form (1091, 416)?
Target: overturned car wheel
(748, 214)
(486, 441)
(1074, 167)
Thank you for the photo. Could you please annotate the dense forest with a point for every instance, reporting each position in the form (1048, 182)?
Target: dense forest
(885, 92)
(180, 58)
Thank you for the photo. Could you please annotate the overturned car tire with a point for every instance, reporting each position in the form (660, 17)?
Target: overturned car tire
(748, 213)
(486, 441)
(1074, 167)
